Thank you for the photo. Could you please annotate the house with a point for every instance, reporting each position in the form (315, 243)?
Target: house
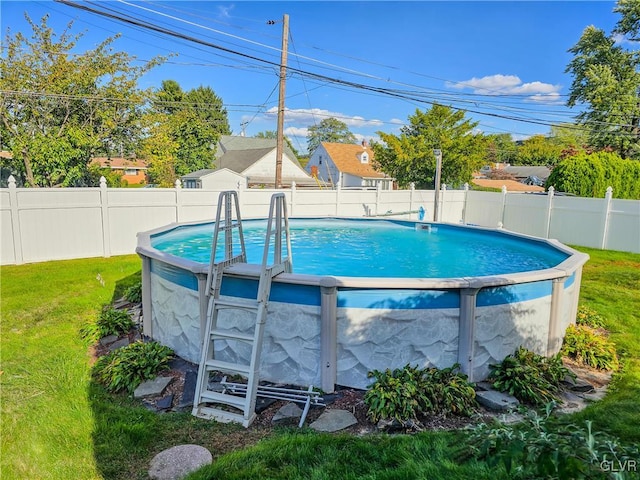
(523, 172)
(347, 165)
(211, 179)
(255, 160)
(133, 170)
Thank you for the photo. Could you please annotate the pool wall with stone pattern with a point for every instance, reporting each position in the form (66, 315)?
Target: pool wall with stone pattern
(327, 331)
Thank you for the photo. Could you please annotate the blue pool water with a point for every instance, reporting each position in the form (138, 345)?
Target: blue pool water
(378, 248)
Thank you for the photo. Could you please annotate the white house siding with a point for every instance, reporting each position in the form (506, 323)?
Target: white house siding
(265, 168)
(327, 170)
(223, 179)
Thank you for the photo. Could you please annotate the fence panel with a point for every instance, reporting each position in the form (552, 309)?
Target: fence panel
(623, 230)
(52, 224)
(577, 221)
(484, 208)
(526, 213)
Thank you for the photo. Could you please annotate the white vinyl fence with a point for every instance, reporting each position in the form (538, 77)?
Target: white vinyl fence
(41, 224)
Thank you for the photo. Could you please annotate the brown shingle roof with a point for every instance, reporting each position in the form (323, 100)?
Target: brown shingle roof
(118, 162)
(346, 157)
(512, 185)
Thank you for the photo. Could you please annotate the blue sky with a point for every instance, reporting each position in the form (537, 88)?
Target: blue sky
(501, 61)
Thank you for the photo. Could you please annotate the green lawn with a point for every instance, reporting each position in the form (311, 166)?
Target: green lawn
(57, 424)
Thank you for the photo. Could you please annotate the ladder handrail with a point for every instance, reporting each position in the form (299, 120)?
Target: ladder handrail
(279, 204)
(226, 199)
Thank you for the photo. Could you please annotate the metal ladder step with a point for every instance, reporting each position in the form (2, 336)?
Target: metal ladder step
(214, 365)
(247, 304)
(232, 335)
(210, 413)
(224, 398)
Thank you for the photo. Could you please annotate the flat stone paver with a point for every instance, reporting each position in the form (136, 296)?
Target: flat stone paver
(152, 387)
(178, 461)
(333, 421)
(496, 401)
(288, 414)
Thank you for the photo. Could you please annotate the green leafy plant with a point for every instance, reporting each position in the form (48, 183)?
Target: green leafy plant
(589, 317)
(539, 449)
(589, 347)
(529, 377)
(127, 367)
(449, 391)
(404, 394)
(110, 322)
(134, 293)
(395, 394)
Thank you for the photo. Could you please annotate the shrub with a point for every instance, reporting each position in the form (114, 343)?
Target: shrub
(529, 377)
(404, 394)
(110, 322)
(589, 317)
(127, 367)
(585, 345)
(134, 293)
(395, 394)
(535, 449)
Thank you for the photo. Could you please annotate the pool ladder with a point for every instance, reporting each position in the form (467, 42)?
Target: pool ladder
(215, 405)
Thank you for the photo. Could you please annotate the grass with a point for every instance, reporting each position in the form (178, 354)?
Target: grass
(58, 424)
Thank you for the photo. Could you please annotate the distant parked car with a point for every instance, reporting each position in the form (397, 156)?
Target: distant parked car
(533, 180)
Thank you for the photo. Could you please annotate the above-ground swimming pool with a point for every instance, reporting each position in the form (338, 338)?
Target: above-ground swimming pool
(369, 294)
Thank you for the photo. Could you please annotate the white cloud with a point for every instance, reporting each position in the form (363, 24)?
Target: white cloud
(296, 132)
(316, 115)
(509, 85)
(225, 11)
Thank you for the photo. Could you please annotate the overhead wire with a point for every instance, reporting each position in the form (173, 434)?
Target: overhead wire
(419, 97)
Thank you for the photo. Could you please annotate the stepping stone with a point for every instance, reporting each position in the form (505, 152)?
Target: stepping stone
(333, 421)
(152, 387)
(165, 402)
(108, 339)
(289, 414)
(497, 401)
(123, 342)
(188, 391)
(579, 385)
(178, 461)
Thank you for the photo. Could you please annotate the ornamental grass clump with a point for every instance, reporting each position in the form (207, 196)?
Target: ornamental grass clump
(590, 347)
(531, 378)
(127, 367)
(110, 322)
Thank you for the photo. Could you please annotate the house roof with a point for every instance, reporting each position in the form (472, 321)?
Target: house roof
(240, 160)
(228, 143)
(512, 185)
(119, 162)
(346, 158)
(541, 172)
(198, 174)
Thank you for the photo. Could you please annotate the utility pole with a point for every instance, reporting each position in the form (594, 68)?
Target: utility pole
(283, 73)
(438, 153)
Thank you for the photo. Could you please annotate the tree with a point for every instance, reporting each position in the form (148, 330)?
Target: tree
(589, 175)
(58, 110)
(501, 148)
(184, 128)
(606, 79)
(410, 158)
(272, 134)
(328, 130)
(539, 150)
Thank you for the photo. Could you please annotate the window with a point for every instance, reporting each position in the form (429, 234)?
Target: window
(131, 171)
(364, 157)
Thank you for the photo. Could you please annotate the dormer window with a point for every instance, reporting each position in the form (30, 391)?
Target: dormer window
(364, 157)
